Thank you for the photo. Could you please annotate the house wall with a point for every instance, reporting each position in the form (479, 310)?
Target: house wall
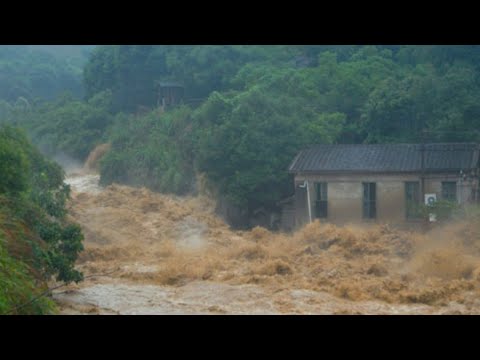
(287, 222)
(345, 195)
(465, 188)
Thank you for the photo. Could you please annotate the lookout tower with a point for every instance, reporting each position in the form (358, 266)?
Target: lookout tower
(170, 93)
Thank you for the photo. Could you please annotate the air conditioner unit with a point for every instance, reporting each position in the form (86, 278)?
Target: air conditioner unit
(430, 199)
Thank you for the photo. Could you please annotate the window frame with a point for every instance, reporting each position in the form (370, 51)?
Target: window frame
(415, 199)
(369, 202)
(447, 193)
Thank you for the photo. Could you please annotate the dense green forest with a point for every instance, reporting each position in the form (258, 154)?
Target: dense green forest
(41, 72)
(247, 110)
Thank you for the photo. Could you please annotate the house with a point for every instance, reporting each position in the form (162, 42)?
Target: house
(381, 183)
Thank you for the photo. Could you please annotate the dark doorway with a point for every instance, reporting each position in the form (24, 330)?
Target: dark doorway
(321, 201)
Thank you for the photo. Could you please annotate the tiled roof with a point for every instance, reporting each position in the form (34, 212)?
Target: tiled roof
(387, 158)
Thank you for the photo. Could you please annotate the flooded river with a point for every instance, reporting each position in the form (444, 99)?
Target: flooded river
(149, 253)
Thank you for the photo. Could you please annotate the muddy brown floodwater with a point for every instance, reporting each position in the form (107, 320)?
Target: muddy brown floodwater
(161, 254)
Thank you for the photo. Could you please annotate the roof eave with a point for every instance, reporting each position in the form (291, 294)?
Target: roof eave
(330, 172)
(292, 165)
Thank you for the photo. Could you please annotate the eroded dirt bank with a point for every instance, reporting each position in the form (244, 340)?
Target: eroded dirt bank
(171, 255)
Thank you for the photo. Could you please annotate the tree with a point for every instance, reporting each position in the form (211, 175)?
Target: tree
(36, 197)
(14, 164)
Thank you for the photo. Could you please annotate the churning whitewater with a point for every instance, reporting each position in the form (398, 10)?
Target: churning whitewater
(161, 254)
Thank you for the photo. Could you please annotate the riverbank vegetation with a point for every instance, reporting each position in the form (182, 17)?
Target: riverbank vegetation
(37, 242)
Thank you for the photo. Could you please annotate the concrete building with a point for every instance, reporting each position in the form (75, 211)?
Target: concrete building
(380, 183)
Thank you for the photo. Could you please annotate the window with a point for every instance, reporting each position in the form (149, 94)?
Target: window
(321, 204)
(369, 201)
(412, 199)
(449, 190)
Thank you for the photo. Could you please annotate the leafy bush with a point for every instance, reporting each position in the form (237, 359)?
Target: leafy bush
(18, 287)
(152, 151)
(443, 210)
(38, 243)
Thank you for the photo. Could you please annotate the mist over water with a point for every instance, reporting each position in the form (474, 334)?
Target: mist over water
(69, 164)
